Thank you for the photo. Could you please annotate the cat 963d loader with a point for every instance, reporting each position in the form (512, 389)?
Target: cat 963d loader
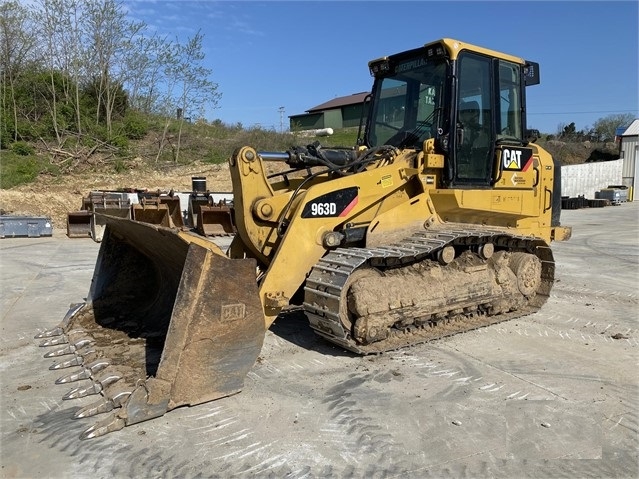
(439, 221)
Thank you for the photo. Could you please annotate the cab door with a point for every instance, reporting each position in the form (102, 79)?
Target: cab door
(517, 172)
(515, 165)
(474, 138)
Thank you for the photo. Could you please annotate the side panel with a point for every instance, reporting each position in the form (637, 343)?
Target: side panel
(518, 168)
(301, 246)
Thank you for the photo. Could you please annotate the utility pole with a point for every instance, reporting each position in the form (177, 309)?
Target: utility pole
(281, 110)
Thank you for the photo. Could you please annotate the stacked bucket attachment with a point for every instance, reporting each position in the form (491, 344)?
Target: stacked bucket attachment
(158, 210)
(216, 219)
(204, 214)
(169, 321)
(111, 204)
(79, 224)
(84, 223)
(208, 217)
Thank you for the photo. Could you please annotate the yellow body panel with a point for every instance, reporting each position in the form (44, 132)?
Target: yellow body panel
(455, 47)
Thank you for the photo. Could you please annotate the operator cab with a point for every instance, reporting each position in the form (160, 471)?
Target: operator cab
(469, 100)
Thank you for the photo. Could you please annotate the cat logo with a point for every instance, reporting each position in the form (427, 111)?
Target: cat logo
(517, 159)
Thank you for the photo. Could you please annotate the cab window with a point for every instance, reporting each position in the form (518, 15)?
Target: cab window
(474, 141)
(510, 102)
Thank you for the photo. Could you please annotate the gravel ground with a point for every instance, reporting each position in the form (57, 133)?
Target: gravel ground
(553, 394)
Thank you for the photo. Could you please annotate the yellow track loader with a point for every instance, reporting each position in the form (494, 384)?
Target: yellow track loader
(437, 222)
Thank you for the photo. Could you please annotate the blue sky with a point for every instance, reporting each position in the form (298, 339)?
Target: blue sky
(265, 55)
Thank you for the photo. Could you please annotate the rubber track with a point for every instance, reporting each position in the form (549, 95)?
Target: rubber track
(324, 285)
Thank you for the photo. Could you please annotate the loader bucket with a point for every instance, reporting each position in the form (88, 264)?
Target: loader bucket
(169, 321)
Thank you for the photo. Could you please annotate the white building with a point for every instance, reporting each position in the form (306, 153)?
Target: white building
(629, 152)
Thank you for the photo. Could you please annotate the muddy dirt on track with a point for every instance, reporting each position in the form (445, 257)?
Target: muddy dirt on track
(553, 394)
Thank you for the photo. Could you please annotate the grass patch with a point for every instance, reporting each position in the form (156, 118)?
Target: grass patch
(18, 169)
(344, 137)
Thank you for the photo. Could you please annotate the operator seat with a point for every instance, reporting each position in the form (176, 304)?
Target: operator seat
(473, 154)
(469, 118)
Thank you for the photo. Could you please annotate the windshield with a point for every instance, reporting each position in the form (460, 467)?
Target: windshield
(407, 103)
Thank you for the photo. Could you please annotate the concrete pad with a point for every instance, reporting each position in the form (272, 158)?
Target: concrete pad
(551, 394)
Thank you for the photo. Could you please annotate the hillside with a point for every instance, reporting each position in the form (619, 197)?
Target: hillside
(577, 152)
(53, 192)
(51, 183)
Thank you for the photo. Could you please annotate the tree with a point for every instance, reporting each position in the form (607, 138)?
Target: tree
(59, 21)
(187, 86)
(73, 67)
(110, 37)
(605, 127)
(144, 62)
(18, 50)
(569, 131)
(196, 87)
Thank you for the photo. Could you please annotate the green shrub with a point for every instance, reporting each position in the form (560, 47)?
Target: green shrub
(119, 166)
(21, 148)
(135, 125)
(98, 132)
(5, 140)
(216, 156)
(16, 170)
(121, 142)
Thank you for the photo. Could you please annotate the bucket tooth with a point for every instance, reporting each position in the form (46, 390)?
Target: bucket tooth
(73, 309)
(77, 393)
(99, 365)
(60, 352)
(96, 387)
(77, 360)
(86, 373)
(110, 424)
(69, 363)
(70, 349)
(50, 333)
(102, 405)
(120, 398)
(55, 341)
(59, 330)
(69, 378)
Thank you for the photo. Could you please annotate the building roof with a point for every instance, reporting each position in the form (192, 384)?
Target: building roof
(633, 129)
(339, 102)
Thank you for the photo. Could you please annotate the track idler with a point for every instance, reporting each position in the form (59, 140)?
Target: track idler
(169, 321)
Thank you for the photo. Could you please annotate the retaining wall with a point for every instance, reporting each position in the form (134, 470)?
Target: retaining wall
(586, 179)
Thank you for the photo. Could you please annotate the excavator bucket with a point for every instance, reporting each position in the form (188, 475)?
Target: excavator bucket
(112, 208)
(169, 321)
(175, 212)
(79, 224)
(215, 220)
(154, 213)
(159, 210)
